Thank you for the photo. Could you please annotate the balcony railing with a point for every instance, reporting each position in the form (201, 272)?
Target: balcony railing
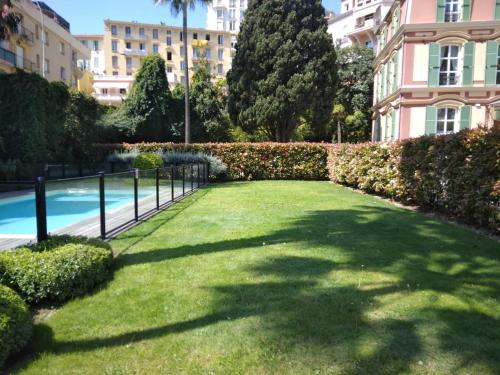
(139, 52)
(26, 34)
(16, 60)
(136, 37)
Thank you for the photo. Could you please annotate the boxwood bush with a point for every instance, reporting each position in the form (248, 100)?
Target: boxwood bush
(15, 323)
(148, 160)
(57, 270)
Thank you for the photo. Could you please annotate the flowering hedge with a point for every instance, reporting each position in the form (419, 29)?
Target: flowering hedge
(253, 161)
(457, 174)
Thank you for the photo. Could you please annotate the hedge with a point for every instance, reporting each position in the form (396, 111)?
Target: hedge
(58, 270)
(15, 323)
(458, 174)
(252, 161)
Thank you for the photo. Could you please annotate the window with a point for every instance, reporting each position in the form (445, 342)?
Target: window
(220, 39)
(232, 3)
(115, 73)
(96, 45)
(128, 45)
(155, 33)
(232, 25)
(96, 62)
(142, 46)
(128, 31)
(195, 53)
(169, 56)
(123, 91)
(232, 13)
(451, 11)
(156, 48)
(169, 40)
(220, 54)
(169, 69)
(114, 60)
(114, 45)
(207, 37)
(38, 63)
(181, 36)
(85, 43)
(208, 53)
(220, 14)
(448, 69)
(183, 65)
(63, 74)
(114, 30)
(105, 91)
(446, 120)
(195, 36)
(129, 62)
(45, 38)
(46, 66)
(61, 48)
(182, 52)
(220, 69)
(37, 33)
(142, 32)
(498, 67)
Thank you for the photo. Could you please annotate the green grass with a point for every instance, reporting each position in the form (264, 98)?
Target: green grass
(284, 278)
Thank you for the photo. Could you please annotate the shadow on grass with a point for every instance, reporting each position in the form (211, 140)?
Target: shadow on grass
(301, 308)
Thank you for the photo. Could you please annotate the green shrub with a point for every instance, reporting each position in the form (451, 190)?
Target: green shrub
(15, 323)
(56, 271)
(148, 161)
(252, 161)
(458, 174)
(217, 167)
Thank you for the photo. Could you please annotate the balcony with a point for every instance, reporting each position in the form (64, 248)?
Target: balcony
(136, 37)
(26, 35)
(135, 52)
(17, 61)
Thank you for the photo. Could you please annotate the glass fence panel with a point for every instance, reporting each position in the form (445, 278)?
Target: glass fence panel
(17, 212)
(147, 191)
(178, 181)
(165, 185)
(119, 200)
(72, 206)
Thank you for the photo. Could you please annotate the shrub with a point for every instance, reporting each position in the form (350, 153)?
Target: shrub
(15, 323)
(458, 174)
(217, 168)
(148, 161)
(57, 270)
(250, 161)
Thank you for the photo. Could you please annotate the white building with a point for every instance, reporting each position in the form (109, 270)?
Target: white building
(96, 63)
(358, 22)
(226, 15)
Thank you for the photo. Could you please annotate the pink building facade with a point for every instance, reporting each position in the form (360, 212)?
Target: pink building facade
(437, 70)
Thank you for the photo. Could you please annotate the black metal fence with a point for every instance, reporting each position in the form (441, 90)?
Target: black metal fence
(103, 205)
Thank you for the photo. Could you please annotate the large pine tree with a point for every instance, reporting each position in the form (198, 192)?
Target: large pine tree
(284, 66)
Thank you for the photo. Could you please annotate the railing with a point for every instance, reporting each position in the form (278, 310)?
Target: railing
(26, 34)
(101, 205)
(16, 60)
(8, 56)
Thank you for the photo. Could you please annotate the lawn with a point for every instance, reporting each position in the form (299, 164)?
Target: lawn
(284, 278)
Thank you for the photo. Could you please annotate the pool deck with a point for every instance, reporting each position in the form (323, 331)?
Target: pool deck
(117, 220)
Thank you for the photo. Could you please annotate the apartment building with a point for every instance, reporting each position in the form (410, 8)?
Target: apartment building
(96, 62)
(438, 68)
(44, 45)
(125, 44)
(358, 22)
(226, 15)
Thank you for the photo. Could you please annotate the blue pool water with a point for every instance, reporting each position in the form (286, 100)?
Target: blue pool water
(64, 207)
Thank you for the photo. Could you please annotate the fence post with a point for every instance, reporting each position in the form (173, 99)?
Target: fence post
(183, 179)
(102, 205)
(208, 173)
(192, 177)
(136, 194)
(41, 209)
(158, 189)
(173, 177)
(197, 176)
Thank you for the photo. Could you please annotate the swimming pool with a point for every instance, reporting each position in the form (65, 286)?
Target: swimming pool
(64, 207)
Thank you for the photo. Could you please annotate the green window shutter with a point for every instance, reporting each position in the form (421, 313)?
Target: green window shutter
(388, 78)
(466, 10)
(393, 125)
(468, 73)
(430, 120)
(440, 11)
(395, 83)
(434, 53)
(491, 62)
(397, 18)
(382, 82)
(465, 115)
(497, 10)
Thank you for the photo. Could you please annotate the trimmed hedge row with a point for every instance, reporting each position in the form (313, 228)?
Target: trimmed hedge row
(457, 174)
(252, 161)
(57, 270)
(15, 323)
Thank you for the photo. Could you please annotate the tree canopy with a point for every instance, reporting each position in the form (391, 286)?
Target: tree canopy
(284, 66)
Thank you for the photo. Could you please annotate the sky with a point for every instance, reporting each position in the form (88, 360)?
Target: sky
(86, 17)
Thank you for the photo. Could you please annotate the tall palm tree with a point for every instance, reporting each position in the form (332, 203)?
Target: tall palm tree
(178, 6)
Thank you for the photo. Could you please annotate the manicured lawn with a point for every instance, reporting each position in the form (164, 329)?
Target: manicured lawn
(285, 278)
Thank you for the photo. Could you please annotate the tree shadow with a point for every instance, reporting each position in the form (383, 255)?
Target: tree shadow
(303, 306)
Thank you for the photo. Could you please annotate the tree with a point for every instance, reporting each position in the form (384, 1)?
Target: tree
(355, 89)
(284, 65)
(177, 6)
(9, 21)
(149, 100)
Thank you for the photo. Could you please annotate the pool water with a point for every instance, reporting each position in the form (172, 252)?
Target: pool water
(64, 207)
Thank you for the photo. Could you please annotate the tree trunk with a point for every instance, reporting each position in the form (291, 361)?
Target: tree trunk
(186, 75)
(339, 133)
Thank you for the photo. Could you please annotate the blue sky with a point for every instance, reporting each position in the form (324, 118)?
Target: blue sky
(86, 17)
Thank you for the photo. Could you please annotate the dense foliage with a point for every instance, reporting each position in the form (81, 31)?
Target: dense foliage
(457, 174)
(9, 22)
(247, 161)
(15, 323)
(283, 69)
(51, 124)
(57, 270)
(148, 160)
